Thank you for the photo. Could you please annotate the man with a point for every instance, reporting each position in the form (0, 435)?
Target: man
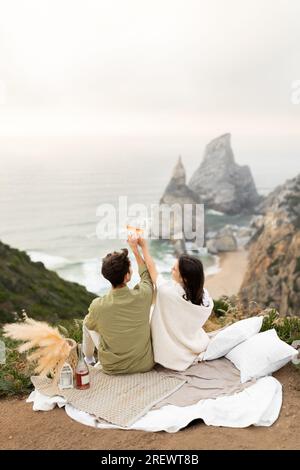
(119, 320)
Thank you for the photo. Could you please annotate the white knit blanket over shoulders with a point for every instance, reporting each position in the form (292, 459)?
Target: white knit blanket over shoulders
(176, 326)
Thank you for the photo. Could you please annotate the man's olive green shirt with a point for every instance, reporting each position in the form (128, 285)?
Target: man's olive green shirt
(122, 319)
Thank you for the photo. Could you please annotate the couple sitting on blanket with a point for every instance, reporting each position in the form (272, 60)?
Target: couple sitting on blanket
(118, 324)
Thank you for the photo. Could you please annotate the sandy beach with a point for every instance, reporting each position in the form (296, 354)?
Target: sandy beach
(228, 280)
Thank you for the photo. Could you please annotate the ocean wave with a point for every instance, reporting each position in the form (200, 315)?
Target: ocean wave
(214, 268)
(165, 264)
(87, 272)
(214, 212)
(50, 261)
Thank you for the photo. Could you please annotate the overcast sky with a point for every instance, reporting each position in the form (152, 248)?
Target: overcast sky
(142, 67)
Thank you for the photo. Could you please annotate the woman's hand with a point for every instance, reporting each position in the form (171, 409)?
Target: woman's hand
(148, 259)
(142, 242)
(133, 242)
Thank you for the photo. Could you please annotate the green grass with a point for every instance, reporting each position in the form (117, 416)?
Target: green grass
(71, 329)
(15, 374)
(221, 306)
(287, 328)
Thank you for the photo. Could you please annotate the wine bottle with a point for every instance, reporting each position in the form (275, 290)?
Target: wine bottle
(82, 373)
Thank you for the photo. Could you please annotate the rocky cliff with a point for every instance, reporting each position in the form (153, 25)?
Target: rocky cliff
(221, 183)
(273, 276)
(30, 286)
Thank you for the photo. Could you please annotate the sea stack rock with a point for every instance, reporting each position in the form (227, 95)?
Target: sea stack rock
(177, 193)
(221, 183)
(273, 275)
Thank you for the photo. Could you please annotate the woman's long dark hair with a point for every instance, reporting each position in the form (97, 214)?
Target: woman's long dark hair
(192, 273)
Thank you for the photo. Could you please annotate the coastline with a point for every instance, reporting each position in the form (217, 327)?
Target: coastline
(228, 279)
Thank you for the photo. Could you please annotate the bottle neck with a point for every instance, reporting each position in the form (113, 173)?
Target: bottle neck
(80, 353)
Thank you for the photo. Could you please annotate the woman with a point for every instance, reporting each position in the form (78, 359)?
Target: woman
(181, 309)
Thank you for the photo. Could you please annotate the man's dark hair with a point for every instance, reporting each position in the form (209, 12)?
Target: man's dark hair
(115, 266)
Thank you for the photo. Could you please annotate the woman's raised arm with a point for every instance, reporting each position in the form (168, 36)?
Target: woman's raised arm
(148, 259)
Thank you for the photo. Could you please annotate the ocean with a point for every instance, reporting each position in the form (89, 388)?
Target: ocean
(48, 208)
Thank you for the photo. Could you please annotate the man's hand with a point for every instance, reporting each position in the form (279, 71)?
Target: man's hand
(133, 243)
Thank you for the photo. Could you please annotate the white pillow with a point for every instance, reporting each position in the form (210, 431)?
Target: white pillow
(227, 339)
(261, 355)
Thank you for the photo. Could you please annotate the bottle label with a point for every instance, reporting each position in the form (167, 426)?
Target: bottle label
(85, 379)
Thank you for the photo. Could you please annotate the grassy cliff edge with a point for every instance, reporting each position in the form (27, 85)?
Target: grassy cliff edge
(42, 293)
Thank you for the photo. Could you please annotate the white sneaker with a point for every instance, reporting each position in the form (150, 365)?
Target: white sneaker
(90, 360)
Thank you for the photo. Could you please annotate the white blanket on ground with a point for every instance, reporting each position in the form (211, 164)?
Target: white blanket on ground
(258, 405)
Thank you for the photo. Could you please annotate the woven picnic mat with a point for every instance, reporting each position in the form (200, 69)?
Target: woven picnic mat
(118, 399)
